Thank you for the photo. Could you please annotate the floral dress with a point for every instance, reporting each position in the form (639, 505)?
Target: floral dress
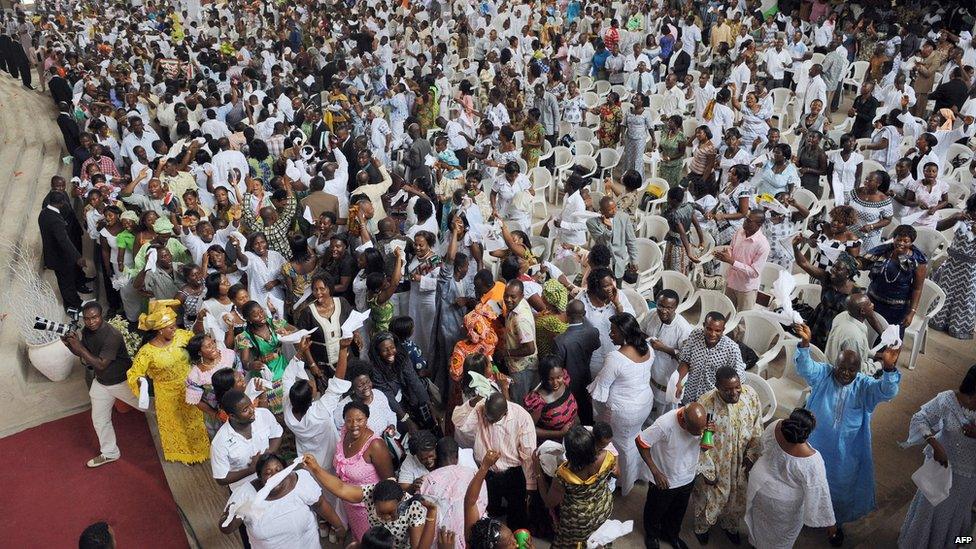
(199, 387)
(531, 154)
(182, 433)
(611, 118)
(263, 170)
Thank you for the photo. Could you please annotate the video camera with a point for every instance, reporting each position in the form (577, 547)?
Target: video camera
(60, 328)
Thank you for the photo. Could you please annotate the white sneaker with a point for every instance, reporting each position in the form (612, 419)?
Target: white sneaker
(100, 460)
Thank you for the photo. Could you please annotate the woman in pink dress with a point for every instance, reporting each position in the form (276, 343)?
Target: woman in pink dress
(361, 458)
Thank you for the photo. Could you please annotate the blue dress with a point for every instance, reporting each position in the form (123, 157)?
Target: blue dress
(892, 281)
(843, 432)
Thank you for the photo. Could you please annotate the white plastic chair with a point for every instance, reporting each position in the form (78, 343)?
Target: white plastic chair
(622, 91)
(791, 389)
(657, 186)
(682, 285)
(649, 261)
(582, 133)
(809, 294)
(637, 301)
(588, 163)
(602, 88)
(583, 148)
(653, 227)
(767, 397)
(932, 243)
(959, 193)
(768, 275)
(708, 301)
(590, 99)
(956, 150)
(808, 200)
(607, 159)
(869, 166)
(585, 83)
(562, 161)
(762, 335)
(931, 302)
(541, 181)
(855, 76)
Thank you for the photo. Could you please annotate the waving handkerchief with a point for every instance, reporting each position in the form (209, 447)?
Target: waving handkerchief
(255, 507)
(151, 260)
(829, 251)
(353, 322)
(295, 337)
(551, 455)
(890, 337)
(143, 393)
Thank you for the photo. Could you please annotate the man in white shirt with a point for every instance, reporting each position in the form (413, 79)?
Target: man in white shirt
(138, 135)
(667, 331)
(224, 162)
(777, 61)
(213, 127)
(816, 88)
(249, 432)
(891, 96)
(674, 97)
(691, 38)
(671, 447)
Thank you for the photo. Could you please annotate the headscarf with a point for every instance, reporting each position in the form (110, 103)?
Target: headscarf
(481, 338)
(848, 261)
(161, 315)
(163, 226)
(555, 294)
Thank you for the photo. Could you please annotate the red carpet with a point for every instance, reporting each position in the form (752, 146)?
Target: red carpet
(50, 496)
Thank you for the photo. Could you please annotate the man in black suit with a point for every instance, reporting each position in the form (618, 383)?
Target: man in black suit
(60, 253)
(69, 127)
(60, 88)
(575, 347)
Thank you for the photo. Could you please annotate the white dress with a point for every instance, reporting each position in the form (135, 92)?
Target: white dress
(844, 178)
(785, 492)
(599, 317)
(622, 397)
(315, 433)
(287, 522)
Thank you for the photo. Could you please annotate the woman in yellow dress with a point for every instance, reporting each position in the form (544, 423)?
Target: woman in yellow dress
(164, 360)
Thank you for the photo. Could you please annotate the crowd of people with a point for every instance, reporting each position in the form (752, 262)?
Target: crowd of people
(311, 232)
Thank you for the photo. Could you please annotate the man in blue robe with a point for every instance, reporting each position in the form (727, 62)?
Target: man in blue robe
(843, 399)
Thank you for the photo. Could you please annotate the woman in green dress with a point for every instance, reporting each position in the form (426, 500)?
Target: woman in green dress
(672, 149)
(261, 350)
(532, 138)
(581, 488)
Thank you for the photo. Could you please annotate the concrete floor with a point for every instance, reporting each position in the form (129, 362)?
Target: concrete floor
(31, 152)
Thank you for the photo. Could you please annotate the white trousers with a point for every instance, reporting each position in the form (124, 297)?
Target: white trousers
(103, 399)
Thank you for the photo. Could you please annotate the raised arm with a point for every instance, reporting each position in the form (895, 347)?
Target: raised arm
(346, 492)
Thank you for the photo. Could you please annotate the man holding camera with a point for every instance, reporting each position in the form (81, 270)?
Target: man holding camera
(102, 348)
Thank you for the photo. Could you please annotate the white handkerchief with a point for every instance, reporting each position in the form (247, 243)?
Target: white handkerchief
(838, 187)
(912, 217)
(392, 245)
(787, 241)
(295, 337)
(889, 338)
(353, 322)
(933, 480)
(672, 388)
(307, 216)
(143, 393)
(266, 373)
(551, 455)
(400, 196)
(305, 295)
(151, 260)
(430, 160)
(608, 532)
(254, 388)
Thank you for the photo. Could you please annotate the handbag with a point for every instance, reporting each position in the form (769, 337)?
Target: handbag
(630, 275)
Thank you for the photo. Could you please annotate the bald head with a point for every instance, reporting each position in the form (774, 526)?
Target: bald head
(695, 418)
(495, 407)
(859, 306)
(575, 311)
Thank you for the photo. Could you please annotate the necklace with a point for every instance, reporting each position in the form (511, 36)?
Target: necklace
(885, 271)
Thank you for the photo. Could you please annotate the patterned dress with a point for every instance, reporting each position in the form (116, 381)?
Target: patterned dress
(610, 125)
(555, 415)
(869, 213)
(957, 276)
(587, 503)
(181, 429)
(531, 154)
(259, 347)
(675, 256)
(638, 128)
